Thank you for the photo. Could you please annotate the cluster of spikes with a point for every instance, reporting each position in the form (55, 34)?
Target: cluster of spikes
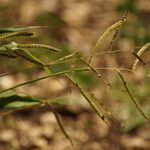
(17, 50)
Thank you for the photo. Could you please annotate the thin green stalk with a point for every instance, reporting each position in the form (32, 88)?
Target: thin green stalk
(53, 75)
(58, 119)
(20, 71)
(82, 69)
(34, 80)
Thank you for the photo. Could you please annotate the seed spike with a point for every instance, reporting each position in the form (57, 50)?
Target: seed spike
(131, 95)
(139, 58)
(102, 37)
(5, 36)
(38, 46)
(123, 19)
(107, 112)
(139, 53)
(64, 58)
(91, 103)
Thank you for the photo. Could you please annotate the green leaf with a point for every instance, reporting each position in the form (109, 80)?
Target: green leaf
(85, 79)
(7, 94)
(25, 54)
(15, 29)
(10, 100)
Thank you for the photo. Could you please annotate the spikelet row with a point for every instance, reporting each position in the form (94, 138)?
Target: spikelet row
(38, 46)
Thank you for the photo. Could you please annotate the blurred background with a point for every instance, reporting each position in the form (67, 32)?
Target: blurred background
(76, 25)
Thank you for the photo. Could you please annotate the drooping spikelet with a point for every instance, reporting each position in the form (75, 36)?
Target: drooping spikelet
(39, 46)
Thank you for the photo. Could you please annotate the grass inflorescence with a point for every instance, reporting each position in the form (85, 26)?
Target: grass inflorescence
(12, 49)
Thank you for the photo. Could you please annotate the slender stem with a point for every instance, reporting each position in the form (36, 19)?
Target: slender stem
(67, 61)
(58, 119)
(15, 72)
(56, 74)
